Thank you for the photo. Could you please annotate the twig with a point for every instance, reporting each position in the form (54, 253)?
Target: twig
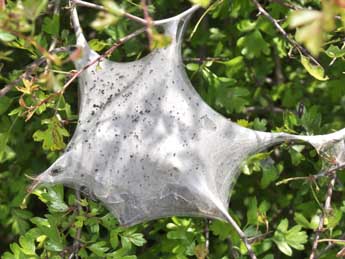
(329, 246)
(332, 240)
(312, 178)
(232, 252)
(283, 32)
(205, 59)
(148, 20)
(207, 234)
(102, 8)
(326, 209)
(279, 76)
(242, 235)
(287, 4)
(133, 17)
(76, 242)
(259, 109)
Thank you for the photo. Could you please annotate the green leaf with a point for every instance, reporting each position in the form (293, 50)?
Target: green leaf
(53, 136)
(252, 212)
(136, 239)
(303, 17)
(27, 245)
(33, 8)
(311, 120)
(99, 248)
(114, 238)
(334, 52)
(286, 238)
(302, 221)
(203, 3)
(220, 229)
(113, 8)
(316, 71)
(334, 218)
(269, 175)
(5, 103)
(51, 25)
(284, 247)
(97, 45)
(6, 37)
(253, 45)
(232, 98)
(103, 21)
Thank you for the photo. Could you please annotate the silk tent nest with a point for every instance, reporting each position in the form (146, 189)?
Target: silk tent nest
(146, 144)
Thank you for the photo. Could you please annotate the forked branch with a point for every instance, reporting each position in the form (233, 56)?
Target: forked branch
(285, 35)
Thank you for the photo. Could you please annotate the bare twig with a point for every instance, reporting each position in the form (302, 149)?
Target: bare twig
(205, 59)
(207, 234)
(259, 109)
(148, 20)
(287, 4)
(312, 178)
(242, 235)
(232, 252)
(102, 8)
(76, 242)
(329, 246)
(326, 210)
(284, 33)
(279, 76)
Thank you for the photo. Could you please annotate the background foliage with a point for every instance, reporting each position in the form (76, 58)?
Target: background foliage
(255, 76)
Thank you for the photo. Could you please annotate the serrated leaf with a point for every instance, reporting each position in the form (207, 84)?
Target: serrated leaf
(53, 136)
(51, 25)
(220, 229)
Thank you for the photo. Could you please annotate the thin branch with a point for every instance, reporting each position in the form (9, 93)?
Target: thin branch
(205, 59)
(326, 210)
(332, 240)
(148, 20)
(76, 243)
(232, 252)
(102, 8)
(283, 32)
(242, 235)
(312, 178)
(329, 246)
(287, 4)
(207, 234)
